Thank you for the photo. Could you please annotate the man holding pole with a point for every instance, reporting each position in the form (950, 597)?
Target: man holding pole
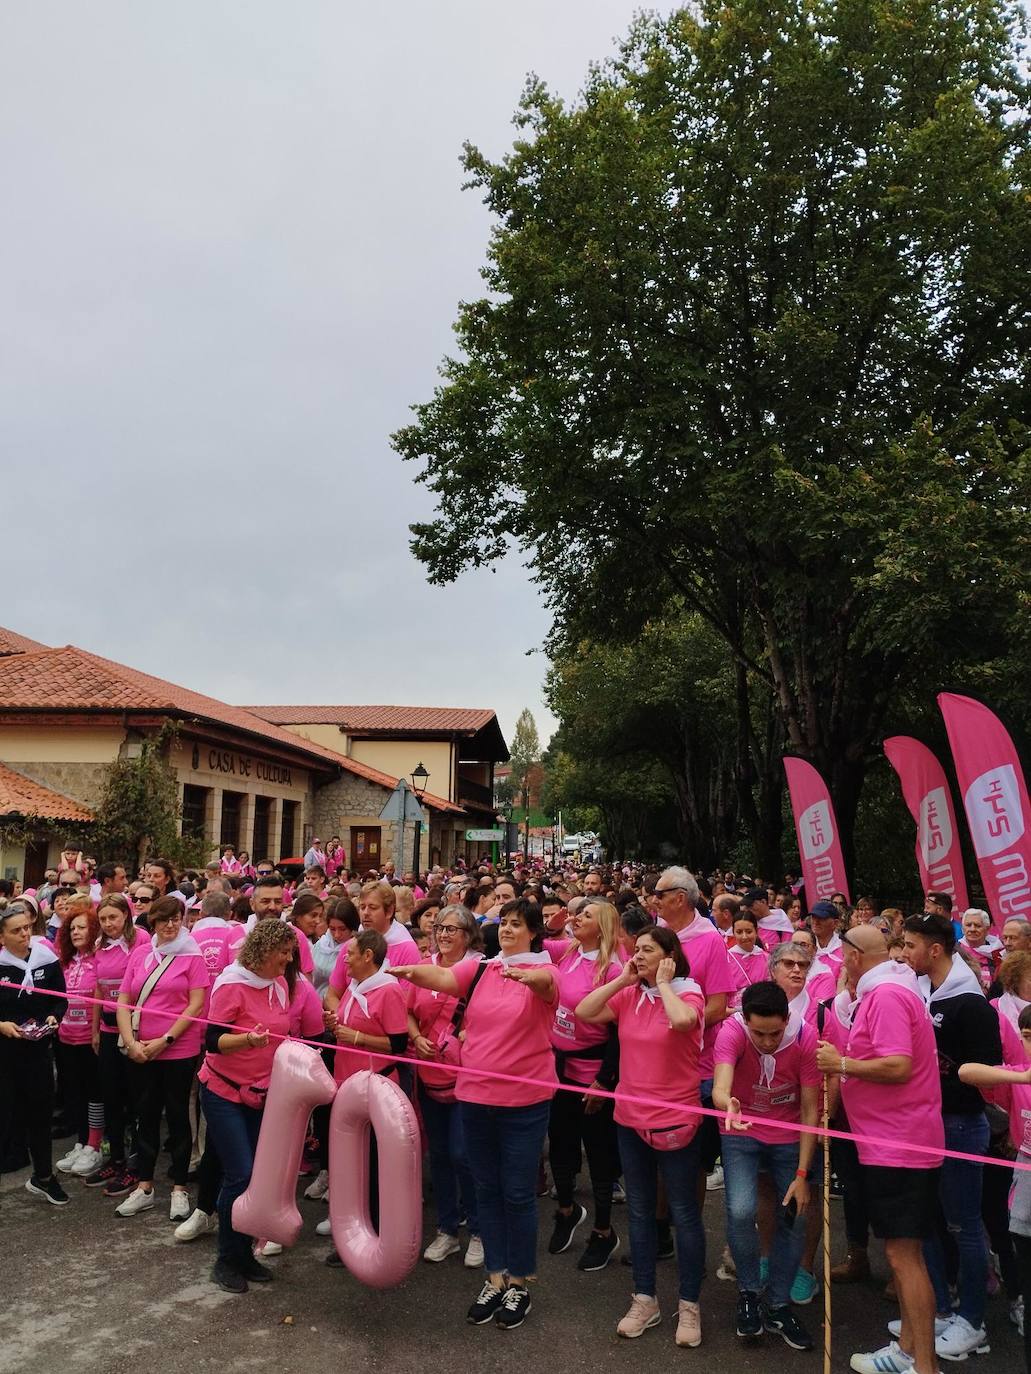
(891, 1091)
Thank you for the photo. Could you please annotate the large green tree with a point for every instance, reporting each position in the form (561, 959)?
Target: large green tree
(756, 341)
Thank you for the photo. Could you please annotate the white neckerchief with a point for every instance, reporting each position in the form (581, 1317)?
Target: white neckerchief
(184, 943)
(778, 919)
(120, 943)
(699, 926)
(358, 992)
(961, 978)
(798, 1006)
(508, 960)
(740, 953)
(581, 955)
(992, 943)
(768, 1062)
(209, 923)
(832, 946)
(890, 971)
(844, 1007)
(1011, 1006)
(327, 945)
(396, 934)
(679, 986)
(817, 967)
(39, 957)
(237, 973)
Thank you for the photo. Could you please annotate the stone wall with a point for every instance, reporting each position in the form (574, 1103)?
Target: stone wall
(83, 782)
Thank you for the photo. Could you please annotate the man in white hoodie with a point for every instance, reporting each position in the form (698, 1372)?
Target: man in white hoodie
(966, 1030)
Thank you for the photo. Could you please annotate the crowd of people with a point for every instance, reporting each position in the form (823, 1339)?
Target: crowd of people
(681, 1035)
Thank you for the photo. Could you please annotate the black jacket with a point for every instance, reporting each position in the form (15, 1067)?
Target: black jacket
(19, 1005)
(966, 1028)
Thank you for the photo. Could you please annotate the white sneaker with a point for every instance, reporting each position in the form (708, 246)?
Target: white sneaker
(960, 1339)
(179, 1208)
(66, 1161)
(270, 1247)
(324, 1228)
(714, 1182)
(196, 1224)
(137, 1201)
(318, 1190)
(1017, 1314)
(474, 1253)
(88, 1160)
(440, 1247)
(940, 1323)
(890, 1359)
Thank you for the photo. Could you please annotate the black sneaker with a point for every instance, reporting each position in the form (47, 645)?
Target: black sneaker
(749, 1320)
(598, 1251)
(783, 1322)
(515, 1304)
(48, 1188)
(562, 1235)
(334, 1261)
(488, 1302)
(256, 1272)
(228, 1278)
(121, 1185)
(101, 1177)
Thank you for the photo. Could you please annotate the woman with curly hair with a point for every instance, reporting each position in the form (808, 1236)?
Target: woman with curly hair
(76, 1062)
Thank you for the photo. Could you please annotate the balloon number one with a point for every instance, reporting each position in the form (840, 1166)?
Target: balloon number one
(268, 1208)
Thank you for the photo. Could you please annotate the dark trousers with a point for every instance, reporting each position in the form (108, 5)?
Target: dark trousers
(163, 1085)
(845, 1162)
(569, 1127)
(995, 1210)
(234, 1128)
(79, 1071)
(27, 1078)
(115, 1095)
(209, 1176)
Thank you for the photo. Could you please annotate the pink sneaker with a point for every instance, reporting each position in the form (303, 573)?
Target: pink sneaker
(689, 1323)
(644, 1312)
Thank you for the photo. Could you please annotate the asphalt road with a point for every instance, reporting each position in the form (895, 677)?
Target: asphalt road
(85, 1290)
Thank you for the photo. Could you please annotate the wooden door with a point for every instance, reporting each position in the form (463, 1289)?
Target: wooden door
(35, 862)
(365, 848)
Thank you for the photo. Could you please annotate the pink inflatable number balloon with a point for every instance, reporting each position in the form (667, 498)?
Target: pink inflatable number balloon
(379, 1260)
(299, 1083)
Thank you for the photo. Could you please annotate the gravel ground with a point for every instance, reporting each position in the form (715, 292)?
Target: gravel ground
(101, 1294)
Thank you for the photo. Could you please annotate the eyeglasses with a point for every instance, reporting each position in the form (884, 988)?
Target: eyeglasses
(664, 891)
(794, 963)
(449, 930)
(851, 943)
(170, 921)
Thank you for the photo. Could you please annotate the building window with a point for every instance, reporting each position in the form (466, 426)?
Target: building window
(195, 801)
(229, 832)
(286, 835)
(260, 846)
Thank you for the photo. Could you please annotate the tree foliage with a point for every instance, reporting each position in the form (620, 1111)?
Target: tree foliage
(139, 812)
(756, 346)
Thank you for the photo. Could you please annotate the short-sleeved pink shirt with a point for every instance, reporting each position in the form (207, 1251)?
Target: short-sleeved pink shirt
(779, 1099)
(168, 1000)
(507, 1027)
(656, 1062)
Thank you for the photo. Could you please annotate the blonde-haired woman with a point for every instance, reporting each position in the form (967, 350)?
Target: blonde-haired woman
(585, 1057)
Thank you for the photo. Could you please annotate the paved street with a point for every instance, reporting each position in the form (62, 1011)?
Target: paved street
(87, 1291)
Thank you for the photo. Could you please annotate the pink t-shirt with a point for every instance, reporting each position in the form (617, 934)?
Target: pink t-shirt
(575, 980)
(746, 969)
(213, 937)
(507, 1028)
(80, 980)
(306, 1012)
(1013, 1051)
(794, 1067)
(387, 1015)
(891, 1020)
(307, 960)
(167, 1002)
(433, 1012)
(709, 965)
(656, 1061)
(243, 1007)
(111, 961)
(401, 951)
(1015, 1101)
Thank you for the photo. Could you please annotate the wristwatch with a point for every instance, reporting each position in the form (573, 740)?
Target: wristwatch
(169, 1039)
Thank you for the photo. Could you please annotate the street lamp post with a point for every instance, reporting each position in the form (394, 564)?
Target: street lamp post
(420, 777)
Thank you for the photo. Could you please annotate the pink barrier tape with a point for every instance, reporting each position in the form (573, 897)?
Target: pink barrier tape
(380, 1056)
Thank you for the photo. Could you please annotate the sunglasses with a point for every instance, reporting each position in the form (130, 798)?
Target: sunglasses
(143, 899)
(664, 891)
(794, 963)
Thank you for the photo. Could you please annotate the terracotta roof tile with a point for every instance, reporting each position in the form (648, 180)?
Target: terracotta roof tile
(462, 720)
(12, 643)
(20, 796)
(70, 679)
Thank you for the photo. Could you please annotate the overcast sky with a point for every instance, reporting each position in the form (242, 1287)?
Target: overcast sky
(232, 245)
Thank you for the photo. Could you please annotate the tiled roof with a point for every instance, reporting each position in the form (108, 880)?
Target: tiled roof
(461, 720)
(70, 679)
(11, 643)
(20, 796)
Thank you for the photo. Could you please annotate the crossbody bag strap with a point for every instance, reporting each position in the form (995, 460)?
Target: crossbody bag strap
(164, 964)
(463, 1002)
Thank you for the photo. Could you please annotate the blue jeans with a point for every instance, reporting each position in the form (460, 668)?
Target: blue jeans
(234, 1130)
(449, 1167)
(743, 1156)
(503, 1146)
(679, 1169)
(960, 1193)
